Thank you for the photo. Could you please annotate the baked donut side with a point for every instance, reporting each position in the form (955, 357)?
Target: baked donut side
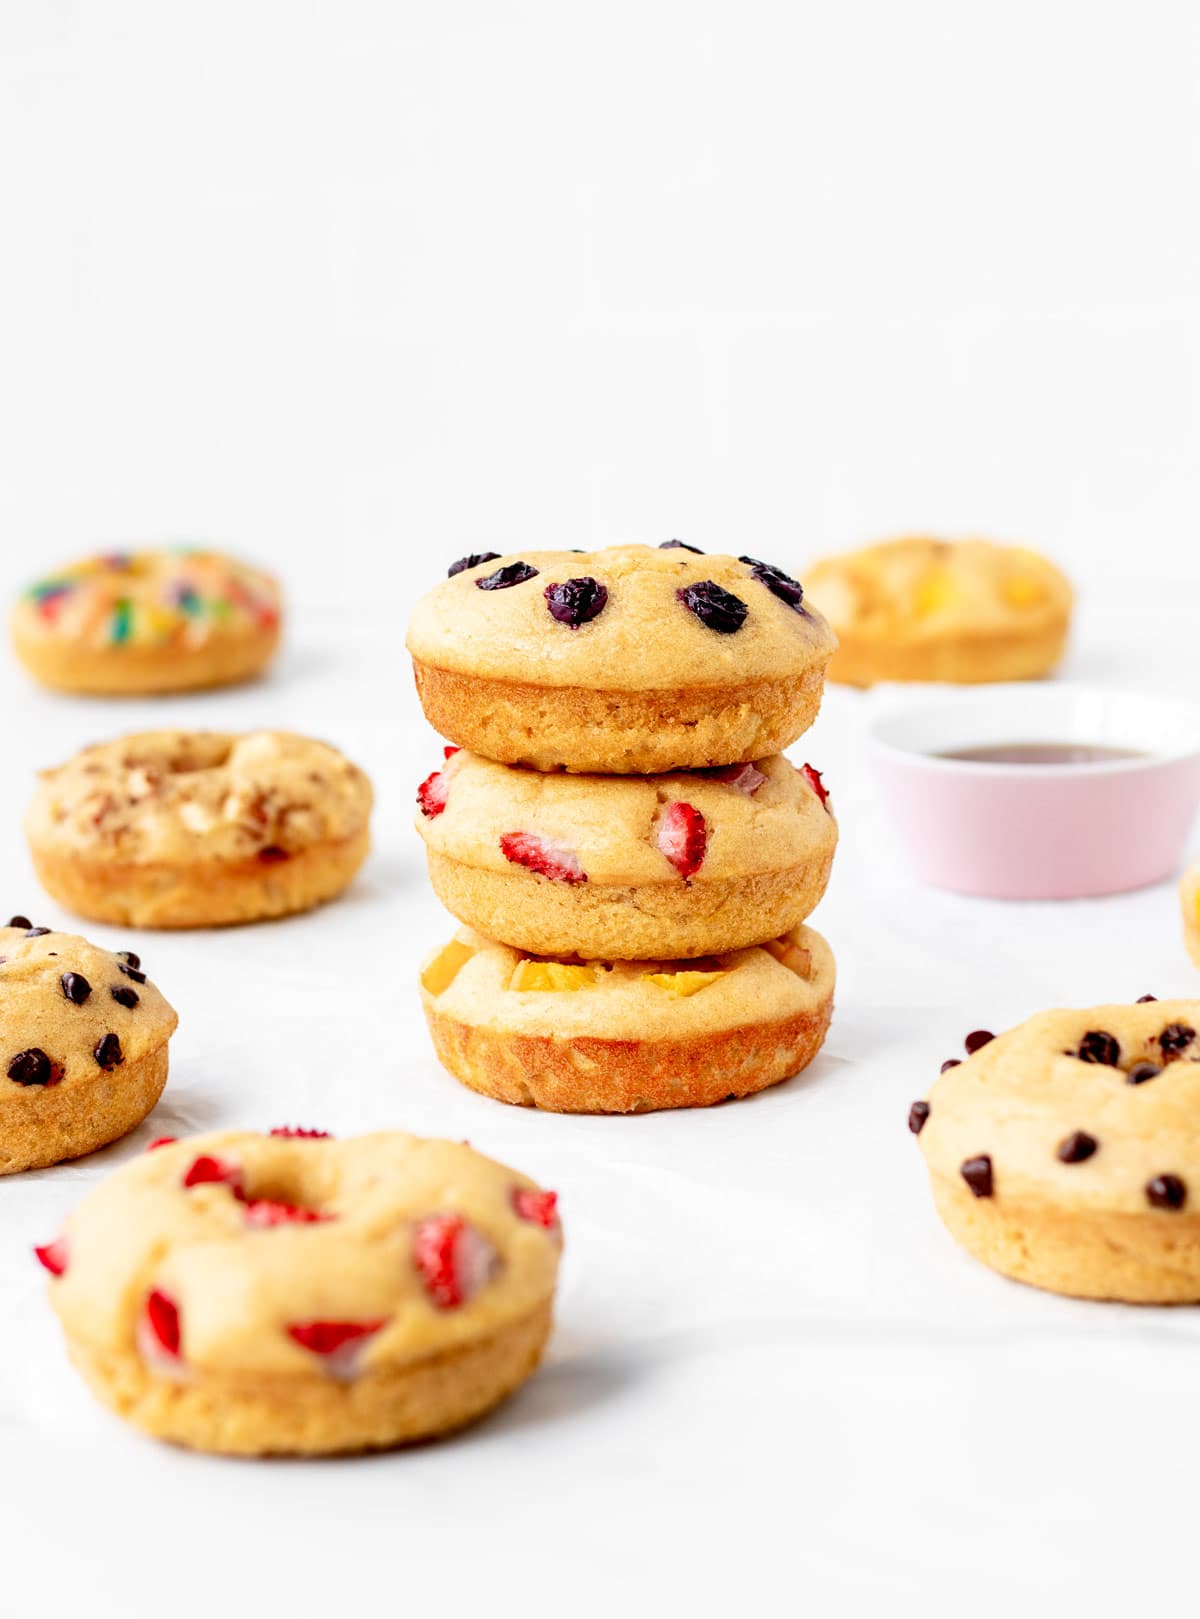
(611, 1038)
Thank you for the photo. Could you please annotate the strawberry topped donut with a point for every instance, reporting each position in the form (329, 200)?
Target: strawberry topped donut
(289, 1294)
(627, 868)
(139, 622)
(186, 829)
(624, 661)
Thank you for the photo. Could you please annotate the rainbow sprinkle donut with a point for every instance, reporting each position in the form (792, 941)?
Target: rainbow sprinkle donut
(148, 621)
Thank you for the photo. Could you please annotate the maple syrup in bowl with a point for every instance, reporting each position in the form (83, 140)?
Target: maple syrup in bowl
(1040, 791)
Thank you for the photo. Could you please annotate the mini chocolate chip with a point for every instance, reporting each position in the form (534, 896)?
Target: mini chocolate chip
(1097, 1046)
(1076, 1148)
(513, 573)
(36, 933)
(31, 1067)
(1142, 999)
(129, 958)
(680, 545)
(717, 609)
(777, 582)
(473, 561)
(132, 972)
(918, 1113)
(950, 1062)
(977, 1172)
(977, 1039)
(1174, 1039)
(1166, 1192)
(19, 922)
(75, 987)
(1141, 1072)
(124, 996)
(108, 1051)
(272, 854)
(576, 601)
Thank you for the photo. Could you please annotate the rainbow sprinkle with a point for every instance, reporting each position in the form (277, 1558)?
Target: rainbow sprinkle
(122, 621)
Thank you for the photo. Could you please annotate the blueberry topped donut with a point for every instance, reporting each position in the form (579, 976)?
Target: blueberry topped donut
(138, 622)
(624, 661)
(1066, 1153)
(291, 1294)
(181, 829)
(627, 867)
(83, 1045)
(627, 1036)
(920, 609)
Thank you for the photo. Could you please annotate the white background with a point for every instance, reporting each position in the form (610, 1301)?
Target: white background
(355, 288)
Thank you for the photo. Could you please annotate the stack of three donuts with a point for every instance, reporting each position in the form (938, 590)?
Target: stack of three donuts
(616, 825)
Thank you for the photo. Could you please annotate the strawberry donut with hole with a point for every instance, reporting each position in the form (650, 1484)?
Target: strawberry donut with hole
(630, 660)
(627, 1036)
(627, 868)
(290, 1294)
(84, 1035)
(188, 829)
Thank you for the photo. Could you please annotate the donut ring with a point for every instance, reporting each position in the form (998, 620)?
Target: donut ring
(288, 1294)
(966, 611)
(627, 1037)
(84, 1055)
(185, 829)
(627, 868)
(142, 622)
(624, 661)
(1066, 1153)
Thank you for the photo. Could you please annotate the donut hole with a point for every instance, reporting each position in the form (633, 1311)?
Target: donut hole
(446, 966)
(189, 754)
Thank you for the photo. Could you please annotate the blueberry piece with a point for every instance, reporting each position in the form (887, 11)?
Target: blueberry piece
(680, 545)
(472, 561)
(717, 609)
(576, 601)
(513, 573)
(777, 582)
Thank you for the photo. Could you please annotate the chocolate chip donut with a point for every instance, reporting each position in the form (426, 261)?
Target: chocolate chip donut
(624, 661)
(185, 829)
(627, 868)
(140, 622)
(287, 1294)
(1066, 1153)
(921, 609)
(84, 1054)
(627, 1037)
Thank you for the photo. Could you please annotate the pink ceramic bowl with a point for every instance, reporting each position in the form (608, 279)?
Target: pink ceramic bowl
(1040, 831)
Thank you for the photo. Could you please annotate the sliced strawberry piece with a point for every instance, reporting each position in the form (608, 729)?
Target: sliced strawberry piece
(161, 1318)
(683, 838)
(450, 750)
(327, 1337)
(296, 1132)
(262, 1212)
(162, 1141)
(54, 1256)
(746, 778)
(432, 794)
(813, 778)
(209, 1171)
(539, 855)
(539, 1208)
(454, 1259)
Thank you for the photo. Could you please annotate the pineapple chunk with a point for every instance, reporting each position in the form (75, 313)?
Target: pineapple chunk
(683, 983)
(791, 955)
(556, 976)
(446, 966)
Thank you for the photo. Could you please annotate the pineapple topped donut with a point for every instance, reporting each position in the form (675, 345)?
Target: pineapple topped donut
(292, 1294)
(624, 661)
(137, 622)
(967, 611)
